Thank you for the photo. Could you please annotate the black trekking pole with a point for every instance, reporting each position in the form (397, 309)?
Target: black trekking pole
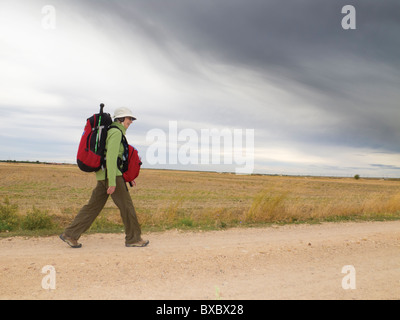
(98, 131)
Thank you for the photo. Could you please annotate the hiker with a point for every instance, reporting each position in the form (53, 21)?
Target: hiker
(109, 182)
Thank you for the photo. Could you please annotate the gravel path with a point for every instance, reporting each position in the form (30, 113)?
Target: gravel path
(285, 262)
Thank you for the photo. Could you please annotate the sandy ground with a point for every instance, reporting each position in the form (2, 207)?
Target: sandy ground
(286, 262)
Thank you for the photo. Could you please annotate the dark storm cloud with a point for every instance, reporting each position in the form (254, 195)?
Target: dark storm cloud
(283, 67)
(270, 35)
(298, 45)
(382, 166)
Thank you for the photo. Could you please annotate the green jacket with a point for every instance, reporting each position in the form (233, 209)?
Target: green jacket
(114, 149)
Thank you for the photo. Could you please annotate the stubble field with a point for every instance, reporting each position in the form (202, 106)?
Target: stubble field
(198, 200)
(195, 200)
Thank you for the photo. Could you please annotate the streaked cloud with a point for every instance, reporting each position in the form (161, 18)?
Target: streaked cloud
(321, 99)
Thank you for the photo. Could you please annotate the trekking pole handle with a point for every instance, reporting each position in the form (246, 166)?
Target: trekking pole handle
(101, 108)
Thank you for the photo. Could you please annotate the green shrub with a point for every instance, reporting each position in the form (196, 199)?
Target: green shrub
(9, 219)
(36, 220)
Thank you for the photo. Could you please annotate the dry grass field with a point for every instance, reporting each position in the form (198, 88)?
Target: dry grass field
(195, 200)
(282, 258)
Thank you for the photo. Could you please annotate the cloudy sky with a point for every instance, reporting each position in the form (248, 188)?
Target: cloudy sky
(321, 100)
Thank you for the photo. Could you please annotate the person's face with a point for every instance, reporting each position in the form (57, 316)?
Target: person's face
(127, 122)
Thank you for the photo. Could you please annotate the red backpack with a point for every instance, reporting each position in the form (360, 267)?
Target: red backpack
(91, 149)
(134, 163)
(131, 162)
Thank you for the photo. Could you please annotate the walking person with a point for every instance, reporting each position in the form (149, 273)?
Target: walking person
(109, 182)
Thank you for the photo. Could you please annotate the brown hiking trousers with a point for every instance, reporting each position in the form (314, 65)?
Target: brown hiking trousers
(90, 211)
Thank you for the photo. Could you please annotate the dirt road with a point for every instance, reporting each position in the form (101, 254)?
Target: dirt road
(289, 262)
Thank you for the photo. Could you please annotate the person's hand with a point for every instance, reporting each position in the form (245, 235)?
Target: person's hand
(132, 183)
(110, 190)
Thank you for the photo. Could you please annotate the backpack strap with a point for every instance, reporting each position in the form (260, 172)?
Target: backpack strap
(122, 165)
(126, 150)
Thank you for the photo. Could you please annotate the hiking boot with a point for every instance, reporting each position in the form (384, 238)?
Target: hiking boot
(71, 242)
(140, 243)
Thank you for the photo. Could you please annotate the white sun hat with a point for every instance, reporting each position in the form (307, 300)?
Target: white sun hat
(123, 112)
